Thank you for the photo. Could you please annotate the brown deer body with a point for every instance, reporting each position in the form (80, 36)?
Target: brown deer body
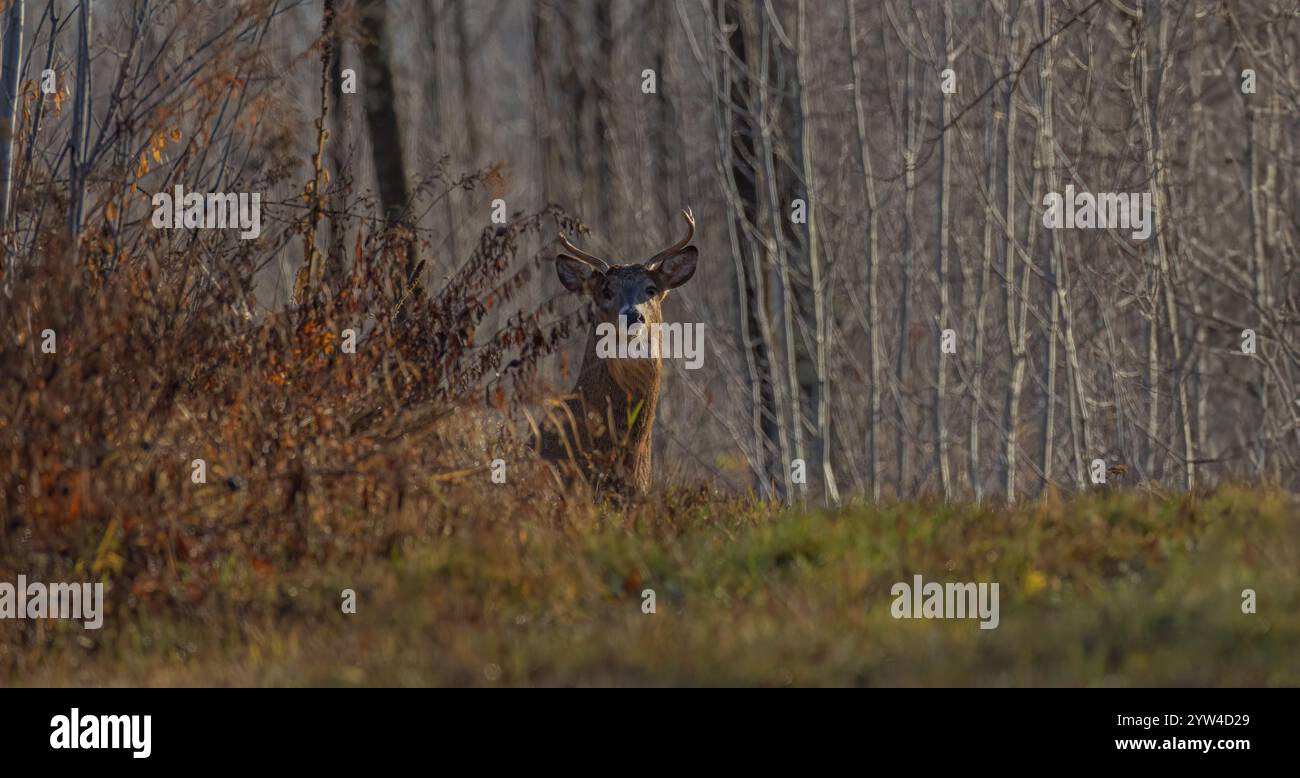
(604, 427)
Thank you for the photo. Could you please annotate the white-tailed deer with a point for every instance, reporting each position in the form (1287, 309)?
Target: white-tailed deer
(604, 426)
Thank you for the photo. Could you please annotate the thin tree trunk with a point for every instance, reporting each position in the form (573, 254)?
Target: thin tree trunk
(80, 140)
(1258, 252)
(822, 400)
(465, 62)
(1155, 159)
(745, 175)
(902, 357)
(436, 135)
(551, 169)
(991, 150)
(873, 258)
(1047, 158)
(575, 114)
(729, 172)
(602, 116)
(51, 15)
(666, 144)
(790, 166)
(775, 221)
(9, 73)
(311, 276)
(341, 162)
(1012, 410)
(945, 178)
(381, 120)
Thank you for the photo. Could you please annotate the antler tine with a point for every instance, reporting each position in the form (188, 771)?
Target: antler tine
(679, 245)
(591, 259)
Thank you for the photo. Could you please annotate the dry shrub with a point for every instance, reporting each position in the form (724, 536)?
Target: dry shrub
(311, 454)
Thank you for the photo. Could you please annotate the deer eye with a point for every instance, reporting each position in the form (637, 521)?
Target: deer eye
(651, 291)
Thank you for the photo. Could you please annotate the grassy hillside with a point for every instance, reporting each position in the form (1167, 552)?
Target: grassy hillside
(1102, 589)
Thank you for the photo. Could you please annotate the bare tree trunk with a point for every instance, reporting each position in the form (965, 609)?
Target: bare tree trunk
(1258, 252)
(785, 138)
(1155, 158)
(745, 178)
(773, 226)
(52, 16)
(991, 150)
(603, 116)
(311, 276)
(821, 391)
(552, 165)
(382, 121)
(341, 162)
(575, 113)
(464, 59)
(1049, 378)
(1080, 415)
(667, 146)
(902, 364)
(80, 140)
(873, 257)
(435, 128)
(945, 177)
(1012, 411)
(9, 73)
(1021, 340)
(1080, 423)
(1271, 197)
(1047, 158)
(722, 83)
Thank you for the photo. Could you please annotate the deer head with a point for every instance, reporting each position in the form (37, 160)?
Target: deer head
(635, 292)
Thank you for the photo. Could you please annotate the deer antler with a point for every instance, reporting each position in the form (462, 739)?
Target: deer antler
(590, 259)
(678, 246)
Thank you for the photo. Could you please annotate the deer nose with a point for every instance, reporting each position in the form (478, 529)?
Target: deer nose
(633, 316)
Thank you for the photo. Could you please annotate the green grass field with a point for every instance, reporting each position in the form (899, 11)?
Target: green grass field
(1104, 589)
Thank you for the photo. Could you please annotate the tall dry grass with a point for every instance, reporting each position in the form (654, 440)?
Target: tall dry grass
(162, 358)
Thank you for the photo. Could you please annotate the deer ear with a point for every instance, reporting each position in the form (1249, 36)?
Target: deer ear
(576, 275)
(677, 269)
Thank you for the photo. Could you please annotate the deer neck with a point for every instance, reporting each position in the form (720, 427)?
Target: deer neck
(626, 385)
